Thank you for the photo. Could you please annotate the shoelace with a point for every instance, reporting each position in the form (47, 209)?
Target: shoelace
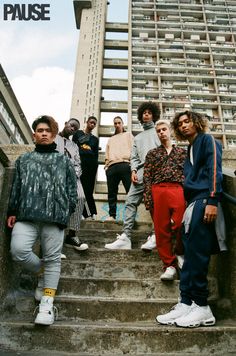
(76, 239)
(54, 309)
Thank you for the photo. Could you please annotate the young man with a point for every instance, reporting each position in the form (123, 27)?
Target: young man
(148, 114)
(44, 194)
(164, 197)
(88, 150)
(202, 189)
(117, 164)
(70, 149)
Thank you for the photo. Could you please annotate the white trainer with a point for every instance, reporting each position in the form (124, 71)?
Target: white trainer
(169, 274)
(110, 218)
(197, 316)
(63, 256)
(177, 311)
(46, 311)
(150, 244)
(122, 242)
(180, 260)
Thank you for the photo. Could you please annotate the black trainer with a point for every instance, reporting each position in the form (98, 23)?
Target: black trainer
(73, 241)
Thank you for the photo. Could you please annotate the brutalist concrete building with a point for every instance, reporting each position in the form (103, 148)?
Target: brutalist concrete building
(14, 128)
(179, 53)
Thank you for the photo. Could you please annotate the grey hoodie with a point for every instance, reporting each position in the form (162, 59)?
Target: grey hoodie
(143, 142)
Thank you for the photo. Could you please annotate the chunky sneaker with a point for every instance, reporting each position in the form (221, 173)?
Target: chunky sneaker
(169, 274)
(46, 311)
(110, 218)
(180, 260)
(73, 241)
(177, 311)
(39, 289)
(197, 316)
(122, 242)
(150, 244)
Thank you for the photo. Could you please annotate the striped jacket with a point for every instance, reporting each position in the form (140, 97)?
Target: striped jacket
(203, 170)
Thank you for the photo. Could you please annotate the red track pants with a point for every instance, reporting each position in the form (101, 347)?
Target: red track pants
(169, 206)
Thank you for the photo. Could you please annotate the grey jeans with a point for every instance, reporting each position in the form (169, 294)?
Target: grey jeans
(24, 236)
(133, 200)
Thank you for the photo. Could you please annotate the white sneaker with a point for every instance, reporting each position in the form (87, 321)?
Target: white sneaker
(180, 259)
(46, 311)
(197, 316)
(122, 242)
(169, 274)
(150, 244)
(63, 256)
(110, 218)
(177, 311)
(39, 289)
(74, 241)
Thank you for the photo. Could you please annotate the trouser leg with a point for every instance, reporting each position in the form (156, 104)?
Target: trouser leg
(178, 205)
(162, 225)
(134, 198)
(88, 176)
(24, 235)
(75, 219)
(198, 244)
(126, 176)
(51, 243)
(113, 180)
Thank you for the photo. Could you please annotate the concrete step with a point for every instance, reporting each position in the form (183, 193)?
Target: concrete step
(113, 258)
(110, 225)
(105, 269)
(114, 338)
(85, 300)
(125, 288)
(101, 237)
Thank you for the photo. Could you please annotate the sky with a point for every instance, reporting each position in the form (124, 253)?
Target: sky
(39, 57)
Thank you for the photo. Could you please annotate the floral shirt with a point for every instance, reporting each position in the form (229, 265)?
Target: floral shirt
(161, 167)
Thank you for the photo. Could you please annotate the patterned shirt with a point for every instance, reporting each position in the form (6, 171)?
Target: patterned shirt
(162, 167)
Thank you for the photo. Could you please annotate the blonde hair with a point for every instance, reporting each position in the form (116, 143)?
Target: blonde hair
(163, 122)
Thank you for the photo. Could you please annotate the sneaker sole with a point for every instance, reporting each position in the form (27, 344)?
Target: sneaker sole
(41, 322)
(171, 323)
(147, 248)
(117, 248)
(167, 279)
(208, 322)
(80, 248)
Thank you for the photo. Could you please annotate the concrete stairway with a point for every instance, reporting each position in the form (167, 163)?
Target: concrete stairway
(107, 303)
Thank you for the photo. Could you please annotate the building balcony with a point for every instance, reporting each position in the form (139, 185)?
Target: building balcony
(119, 84)
(115, 63)
(114, 106)
(116, 45)
(116, 27)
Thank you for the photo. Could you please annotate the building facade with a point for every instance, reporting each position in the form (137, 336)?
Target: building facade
(179, 53)
(14, 128)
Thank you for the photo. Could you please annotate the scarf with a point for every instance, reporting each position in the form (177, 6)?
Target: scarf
(46, 148)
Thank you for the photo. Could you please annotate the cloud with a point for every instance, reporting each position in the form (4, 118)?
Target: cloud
(47, 91)
(32, 48)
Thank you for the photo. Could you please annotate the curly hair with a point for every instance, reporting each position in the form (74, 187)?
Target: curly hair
(45, 119)
(200, 122)
(153, 107)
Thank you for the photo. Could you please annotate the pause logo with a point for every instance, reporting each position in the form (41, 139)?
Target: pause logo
(23, 12)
